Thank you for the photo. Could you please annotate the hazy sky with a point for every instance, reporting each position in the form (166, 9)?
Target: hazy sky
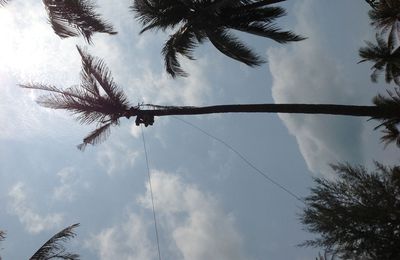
(209, 203)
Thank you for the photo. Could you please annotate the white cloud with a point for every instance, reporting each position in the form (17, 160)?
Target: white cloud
(70, 182)
(21, 207)
(116, 156)
(310, 73)
(192, 222)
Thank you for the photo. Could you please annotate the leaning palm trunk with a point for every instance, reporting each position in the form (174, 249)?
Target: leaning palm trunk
(99, 100)
(326, 109)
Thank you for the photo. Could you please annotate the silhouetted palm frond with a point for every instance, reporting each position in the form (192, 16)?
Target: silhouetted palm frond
(232, 47)
(204, 19)
(389, 104)
(4, 2)
(384, 60)
(182, 42)
(54, 247)
(2, 235)
(96, 100)
(70, 18)
(391, 135)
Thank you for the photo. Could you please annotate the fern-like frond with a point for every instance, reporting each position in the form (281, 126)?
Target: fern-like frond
(182, 42)
(69, 18)
(232, 47)
(97, 136)
(95, 73)
(54, 247)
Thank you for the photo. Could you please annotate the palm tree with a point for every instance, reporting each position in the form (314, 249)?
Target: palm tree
(385, 16)
(71, 18)
(213, 20)
(98, 100)
(54, 249)
(384, 60)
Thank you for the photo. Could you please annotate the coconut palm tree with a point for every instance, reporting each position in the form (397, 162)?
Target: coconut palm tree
(71, 18)
(98, 100)
(54, 249)
(200, 20)
(384, 60)
(385, 17)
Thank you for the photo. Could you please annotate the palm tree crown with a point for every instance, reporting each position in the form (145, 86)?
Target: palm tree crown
(384, 60)
(385, 16)
(211, 19)
(98, 100)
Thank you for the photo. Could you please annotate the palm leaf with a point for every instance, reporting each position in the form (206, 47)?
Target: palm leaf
(96, 100)
(96, 136)
(54, 247)
(391, 134)
(75, 17)
(182, 42)
(232, 47)
(4, 2)
(389, 105)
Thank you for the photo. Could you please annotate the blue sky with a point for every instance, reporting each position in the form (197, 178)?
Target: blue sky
(209, 203)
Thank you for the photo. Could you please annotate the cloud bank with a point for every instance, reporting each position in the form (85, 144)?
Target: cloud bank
(192, 221)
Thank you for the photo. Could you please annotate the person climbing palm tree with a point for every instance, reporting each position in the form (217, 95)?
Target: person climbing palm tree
(211, 20)
(99, 100)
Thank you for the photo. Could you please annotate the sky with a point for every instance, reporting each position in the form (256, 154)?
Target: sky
(210, 203)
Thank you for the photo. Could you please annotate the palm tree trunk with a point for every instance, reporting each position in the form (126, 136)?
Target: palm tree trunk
(326, 109)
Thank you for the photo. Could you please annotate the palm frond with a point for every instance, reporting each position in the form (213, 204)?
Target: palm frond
(182, 42)
(69, 18)
(96, 100)
(96, 136)
(54, 247)
(390, 105)
(391, 135)
(159, 14)
(2, 235)
(4, 2)
(232, 47)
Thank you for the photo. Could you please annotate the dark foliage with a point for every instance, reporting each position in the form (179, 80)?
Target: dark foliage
(54, 248)
(358, 214)
(385, 16)
(384, 60)
(389, 124)
(96, 100)
(206, 19)
(69, 18)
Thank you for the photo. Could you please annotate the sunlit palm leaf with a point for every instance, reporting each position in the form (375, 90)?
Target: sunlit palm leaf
(70, 18)
(54, 247)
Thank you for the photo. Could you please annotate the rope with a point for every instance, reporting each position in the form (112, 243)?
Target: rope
(151, 193)
(244, 159)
